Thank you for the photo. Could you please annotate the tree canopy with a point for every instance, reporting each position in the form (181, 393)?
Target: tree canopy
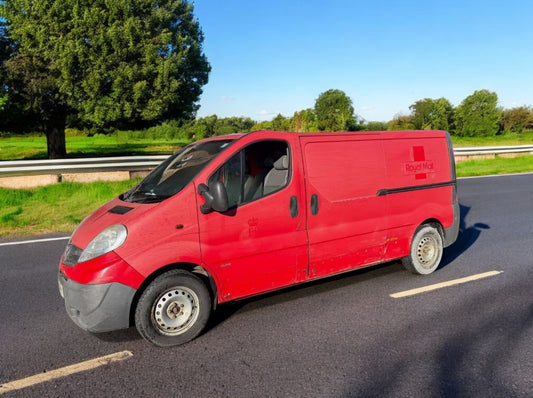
(105, 63)
(517, 119)
(430, 114)
(478, 115)
(334, 111)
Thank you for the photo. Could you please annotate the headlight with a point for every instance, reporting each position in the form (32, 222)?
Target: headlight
(109, 239)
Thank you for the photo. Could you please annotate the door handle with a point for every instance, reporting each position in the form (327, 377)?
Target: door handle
(314, 204)
(294, 206)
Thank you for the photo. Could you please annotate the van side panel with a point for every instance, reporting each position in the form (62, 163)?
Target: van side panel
(346, 221)
(419, 186)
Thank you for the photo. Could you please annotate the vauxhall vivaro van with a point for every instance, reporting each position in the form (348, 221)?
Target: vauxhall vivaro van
(237, 215)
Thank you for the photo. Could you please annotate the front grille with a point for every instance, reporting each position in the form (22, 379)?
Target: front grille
(72, 254)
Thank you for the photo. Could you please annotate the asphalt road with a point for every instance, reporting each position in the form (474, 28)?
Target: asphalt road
(341, 337)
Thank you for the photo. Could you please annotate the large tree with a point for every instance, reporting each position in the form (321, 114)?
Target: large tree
(478, 115)
(108, 63)
(334, 111)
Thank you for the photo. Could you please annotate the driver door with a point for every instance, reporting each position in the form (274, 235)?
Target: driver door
(260, 243)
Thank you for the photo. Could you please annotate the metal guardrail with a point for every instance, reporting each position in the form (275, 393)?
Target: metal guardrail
(492, 150)
(135, 163)
(84, 165)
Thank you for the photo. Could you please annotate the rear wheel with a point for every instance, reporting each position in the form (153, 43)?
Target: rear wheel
(426, 251)
(173, 309)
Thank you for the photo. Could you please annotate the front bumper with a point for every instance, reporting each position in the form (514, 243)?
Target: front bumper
(97, 307)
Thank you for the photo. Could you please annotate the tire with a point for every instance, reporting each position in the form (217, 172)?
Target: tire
(173, 309)
(426, 251)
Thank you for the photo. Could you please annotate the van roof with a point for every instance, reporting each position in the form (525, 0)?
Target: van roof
(383, 134)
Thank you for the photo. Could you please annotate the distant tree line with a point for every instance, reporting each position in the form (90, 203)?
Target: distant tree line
(478, 115)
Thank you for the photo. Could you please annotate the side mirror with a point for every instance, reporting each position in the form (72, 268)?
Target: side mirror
(216, 197)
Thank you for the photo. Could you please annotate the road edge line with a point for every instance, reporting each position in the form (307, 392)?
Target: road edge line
(25, 242)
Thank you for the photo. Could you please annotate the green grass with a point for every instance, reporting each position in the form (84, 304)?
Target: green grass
(499, 165)
(53, 208)
(118, 144)
(525, 138)
(16, 148)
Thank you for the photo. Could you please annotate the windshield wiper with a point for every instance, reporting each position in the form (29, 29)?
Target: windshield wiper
(145, 197)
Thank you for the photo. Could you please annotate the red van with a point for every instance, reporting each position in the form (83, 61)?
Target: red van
(238, 215)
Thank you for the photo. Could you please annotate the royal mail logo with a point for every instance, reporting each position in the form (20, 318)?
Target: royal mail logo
(420, 167)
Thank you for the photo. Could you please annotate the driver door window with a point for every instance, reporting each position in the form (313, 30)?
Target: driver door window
(254, 172)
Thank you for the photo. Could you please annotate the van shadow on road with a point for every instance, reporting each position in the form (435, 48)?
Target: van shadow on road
(468, 235)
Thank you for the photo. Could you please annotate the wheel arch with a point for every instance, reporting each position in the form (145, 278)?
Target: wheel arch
(415, 227)
(195, 269)
(435, 223)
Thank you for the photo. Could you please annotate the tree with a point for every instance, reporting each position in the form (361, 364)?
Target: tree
(264, 125)
(281, 123)
(334, 111)
(206, 126)
(304, 121)
(120, 63)
(401, 122)
(234, 124)
(375, 126)
(478, 115)
(517, 119)
(5, 51)
(430, 114)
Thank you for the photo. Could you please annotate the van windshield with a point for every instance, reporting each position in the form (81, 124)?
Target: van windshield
(175, 173)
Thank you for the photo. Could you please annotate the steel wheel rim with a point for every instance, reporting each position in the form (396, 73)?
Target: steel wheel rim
(427, 251)
(175, 311)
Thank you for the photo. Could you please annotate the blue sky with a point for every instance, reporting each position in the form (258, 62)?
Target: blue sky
(277, 56)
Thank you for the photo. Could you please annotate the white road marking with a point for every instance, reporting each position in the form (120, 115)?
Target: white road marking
(66, 371)
(436, 286)
(25, 242)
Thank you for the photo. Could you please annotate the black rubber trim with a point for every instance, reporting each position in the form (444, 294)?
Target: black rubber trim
(120, 209)
(383, 192)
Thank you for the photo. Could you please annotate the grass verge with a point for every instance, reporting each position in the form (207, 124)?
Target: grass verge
(34, 147)
(498, 165)
(525, 138)
(53, 208)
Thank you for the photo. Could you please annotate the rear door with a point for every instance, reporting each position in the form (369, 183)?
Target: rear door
(346, 219)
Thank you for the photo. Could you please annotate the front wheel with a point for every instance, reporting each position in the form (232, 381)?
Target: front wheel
(173, 309)
(426, 251)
